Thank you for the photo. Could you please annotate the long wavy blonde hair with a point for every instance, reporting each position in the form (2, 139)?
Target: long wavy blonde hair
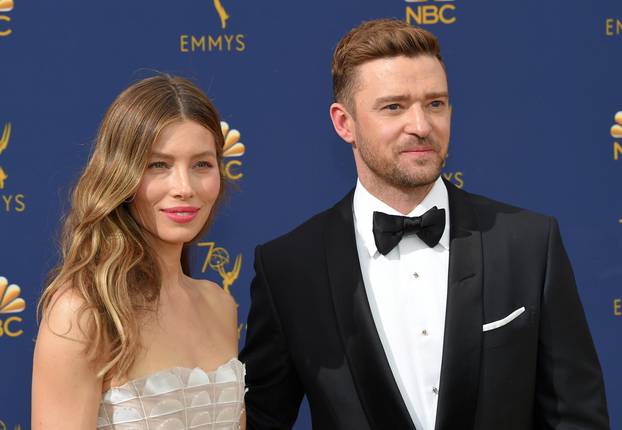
(106, 258)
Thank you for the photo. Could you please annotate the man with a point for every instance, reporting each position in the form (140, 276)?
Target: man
(461, 315)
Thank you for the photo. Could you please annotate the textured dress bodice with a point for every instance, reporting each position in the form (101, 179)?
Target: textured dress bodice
(177, 399)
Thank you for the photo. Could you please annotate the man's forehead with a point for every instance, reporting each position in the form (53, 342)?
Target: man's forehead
(420, 65)
(400, 74)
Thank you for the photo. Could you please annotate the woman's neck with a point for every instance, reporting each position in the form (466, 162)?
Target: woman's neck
(169, 259)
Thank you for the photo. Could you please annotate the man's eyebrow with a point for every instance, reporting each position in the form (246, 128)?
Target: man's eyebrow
(391, 99)
(437, 95)
(403, 97)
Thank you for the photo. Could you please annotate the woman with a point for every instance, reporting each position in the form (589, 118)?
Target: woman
(127, 340)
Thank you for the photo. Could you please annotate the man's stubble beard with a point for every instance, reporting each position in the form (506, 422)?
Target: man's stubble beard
(390, 171)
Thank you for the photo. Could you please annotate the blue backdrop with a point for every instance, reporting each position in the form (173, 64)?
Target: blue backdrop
(535, 88)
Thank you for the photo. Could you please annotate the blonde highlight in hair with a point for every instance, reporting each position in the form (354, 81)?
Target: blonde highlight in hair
(379, 38)
(105, 256)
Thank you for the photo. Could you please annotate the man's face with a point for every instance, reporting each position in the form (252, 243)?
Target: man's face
(401, 121)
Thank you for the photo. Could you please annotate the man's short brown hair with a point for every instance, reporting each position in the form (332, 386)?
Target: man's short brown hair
(379, 38)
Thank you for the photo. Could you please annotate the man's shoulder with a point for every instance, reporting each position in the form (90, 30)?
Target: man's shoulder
(491, 212)
(483, 203)
(311, 231)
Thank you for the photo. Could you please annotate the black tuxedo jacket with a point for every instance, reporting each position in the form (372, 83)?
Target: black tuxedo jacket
(311, 331)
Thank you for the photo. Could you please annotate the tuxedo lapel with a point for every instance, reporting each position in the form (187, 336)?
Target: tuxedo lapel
(463, 322)
(376, 387)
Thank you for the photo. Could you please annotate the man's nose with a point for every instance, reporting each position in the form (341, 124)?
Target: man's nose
(181, 183)
(418, 122)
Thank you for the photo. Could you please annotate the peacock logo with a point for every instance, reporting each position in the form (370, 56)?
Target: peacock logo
(7, 6)
(616, 129)
(616, 133)
(232, 151)
(10, 303)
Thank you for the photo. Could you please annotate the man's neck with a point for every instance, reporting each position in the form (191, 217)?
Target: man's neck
(403, 200)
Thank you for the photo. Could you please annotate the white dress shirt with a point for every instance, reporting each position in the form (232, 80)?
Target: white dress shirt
(407, 293)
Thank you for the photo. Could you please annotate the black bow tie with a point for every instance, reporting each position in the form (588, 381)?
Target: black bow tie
(389, 229)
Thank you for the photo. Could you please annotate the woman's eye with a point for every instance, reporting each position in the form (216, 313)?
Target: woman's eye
(157, 165)
(203, 164)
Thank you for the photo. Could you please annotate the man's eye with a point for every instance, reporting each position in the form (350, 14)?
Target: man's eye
(392, 106)
(437, 103)
(157, 165)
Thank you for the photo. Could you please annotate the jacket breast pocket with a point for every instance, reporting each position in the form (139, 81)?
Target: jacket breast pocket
(515, 328)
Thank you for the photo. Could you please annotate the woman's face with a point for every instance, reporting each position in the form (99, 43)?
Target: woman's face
(180, 185)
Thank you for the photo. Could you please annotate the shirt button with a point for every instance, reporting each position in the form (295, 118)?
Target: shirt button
(424, 332)
(435, 390)
(416, 275)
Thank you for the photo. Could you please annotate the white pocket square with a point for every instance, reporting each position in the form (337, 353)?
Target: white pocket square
(500, 323)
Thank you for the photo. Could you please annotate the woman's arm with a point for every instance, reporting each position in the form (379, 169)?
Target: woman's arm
(234, 324)
(65, 389)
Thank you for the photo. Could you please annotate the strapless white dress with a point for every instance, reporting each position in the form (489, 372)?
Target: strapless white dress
(177, 399)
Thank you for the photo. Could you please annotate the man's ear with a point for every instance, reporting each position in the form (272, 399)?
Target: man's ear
(342, 121)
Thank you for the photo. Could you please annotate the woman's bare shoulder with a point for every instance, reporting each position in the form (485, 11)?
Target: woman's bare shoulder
(63, 376)
(214, 293)
(67, 315)
(220, 303)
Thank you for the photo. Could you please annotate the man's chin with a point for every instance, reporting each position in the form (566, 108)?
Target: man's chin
(416, 179)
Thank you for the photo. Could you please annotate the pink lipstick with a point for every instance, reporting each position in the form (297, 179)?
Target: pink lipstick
(181, 214)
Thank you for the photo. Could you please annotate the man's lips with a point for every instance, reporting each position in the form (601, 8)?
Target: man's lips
(417, 151)
(181, 214)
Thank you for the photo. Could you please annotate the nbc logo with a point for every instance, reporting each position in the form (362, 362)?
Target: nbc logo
(233, 149)
(616, 133)
(5, 6)
(430, 12)
(10, 303)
